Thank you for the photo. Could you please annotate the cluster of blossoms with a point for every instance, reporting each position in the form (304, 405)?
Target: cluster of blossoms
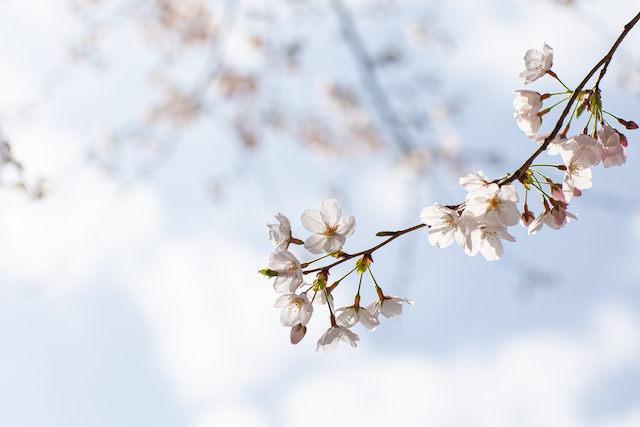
(330, 231)
(478, 225)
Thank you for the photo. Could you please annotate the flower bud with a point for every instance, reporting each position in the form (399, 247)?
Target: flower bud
(527, 179)
(628, 124)
(297, 333)
(527, 216)
(363, 263)
(623, 139)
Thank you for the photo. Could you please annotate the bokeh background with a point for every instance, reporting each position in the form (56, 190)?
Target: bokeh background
(164, 135)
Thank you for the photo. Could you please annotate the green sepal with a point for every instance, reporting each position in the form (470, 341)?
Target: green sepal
(268, 273)
(361, 266)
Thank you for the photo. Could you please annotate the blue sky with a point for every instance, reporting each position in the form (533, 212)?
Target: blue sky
(132, 299)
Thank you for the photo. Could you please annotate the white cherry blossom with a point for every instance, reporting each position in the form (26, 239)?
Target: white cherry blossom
(614, 156)
(529, 124)
(445, 226)
(577, 177)
(527, 105)
(331, 230)
(389, 307)
(486, 239)
(280, 234)
(295, 309)
(474, 180)
(537, 63)
(582, 149)
(492, 201)
(329, 341)
(613, 153)
(527, 102)
(354, 314)
(289, 271)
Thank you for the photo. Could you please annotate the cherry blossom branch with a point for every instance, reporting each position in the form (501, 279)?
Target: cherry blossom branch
(478, 225)
(604, 62)
(345, 257)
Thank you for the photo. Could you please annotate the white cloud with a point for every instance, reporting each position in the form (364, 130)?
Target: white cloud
(208, 313)
(538, 379)
(231, 415)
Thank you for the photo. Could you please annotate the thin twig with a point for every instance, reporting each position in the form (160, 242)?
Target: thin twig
(381, 101)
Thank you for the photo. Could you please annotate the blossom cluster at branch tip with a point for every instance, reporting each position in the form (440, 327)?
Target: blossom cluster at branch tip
(480, 223)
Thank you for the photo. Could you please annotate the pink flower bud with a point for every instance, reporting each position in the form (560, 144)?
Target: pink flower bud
(628, 124)
(297, 333)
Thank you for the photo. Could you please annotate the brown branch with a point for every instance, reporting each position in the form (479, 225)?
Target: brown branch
(394, 235)
(604, 62)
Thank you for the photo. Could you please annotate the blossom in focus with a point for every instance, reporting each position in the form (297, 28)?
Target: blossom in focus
(486, 239)
(537, 63)
(354, 314)
(329, 341)
(331, 230)
(445, 226)
(527, 105)
(613, 153)
(280, 234)
(295, 309)
(389, 307)
(289, 271)
(494, 201)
